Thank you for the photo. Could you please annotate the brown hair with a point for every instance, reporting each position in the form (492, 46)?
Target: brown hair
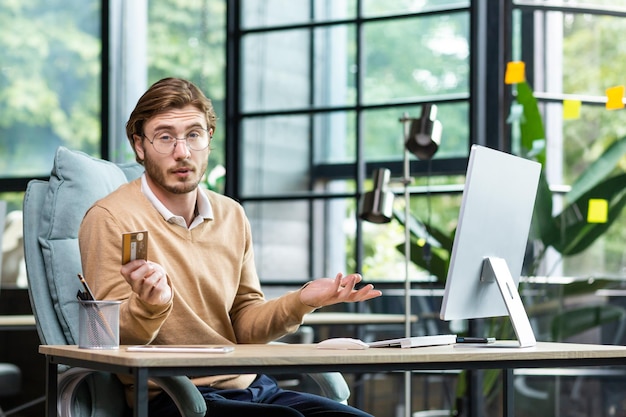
(166, 94)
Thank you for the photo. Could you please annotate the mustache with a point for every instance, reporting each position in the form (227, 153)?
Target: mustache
(183, 165)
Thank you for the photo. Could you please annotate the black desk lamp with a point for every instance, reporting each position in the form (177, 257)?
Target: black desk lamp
(424, 134)
(377, 205)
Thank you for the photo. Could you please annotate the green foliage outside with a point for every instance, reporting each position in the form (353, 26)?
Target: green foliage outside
(50, 84)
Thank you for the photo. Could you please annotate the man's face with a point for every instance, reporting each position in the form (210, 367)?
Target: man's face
(180, 171)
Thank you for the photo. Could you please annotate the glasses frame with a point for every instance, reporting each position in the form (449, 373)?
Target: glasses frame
(176, 140)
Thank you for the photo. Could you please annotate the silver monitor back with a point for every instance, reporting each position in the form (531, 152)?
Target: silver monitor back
(494, 221)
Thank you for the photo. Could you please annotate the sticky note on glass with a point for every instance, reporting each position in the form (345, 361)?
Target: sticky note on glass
(515, 72)
(598, 211)
(615, 97)
(571, 109)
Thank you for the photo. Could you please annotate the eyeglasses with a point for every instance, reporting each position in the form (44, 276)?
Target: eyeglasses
(197, 139)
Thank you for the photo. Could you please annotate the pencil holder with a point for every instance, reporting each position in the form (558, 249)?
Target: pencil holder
(98, 324)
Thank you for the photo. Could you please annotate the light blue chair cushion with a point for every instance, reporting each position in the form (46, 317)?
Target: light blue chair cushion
(77, 181)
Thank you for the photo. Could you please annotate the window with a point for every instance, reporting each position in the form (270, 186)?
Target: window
(319, 89)
(571, 57)
(54, 91)
(50, 85)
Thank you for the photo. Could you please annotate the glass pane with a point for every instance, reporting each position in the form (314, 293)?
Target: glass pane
(281, 236)
(584, 138)
(188, 39)
(276, 154)
(578, 58)
(429, 57)
(575, 145)
(384, 243)
(592, 60)
(387, 7)
(332, 247)
(267, 13)
(275, 73)
(335, 137)
(384, 134)
(581, 56)
(50, 84)
(335, 66)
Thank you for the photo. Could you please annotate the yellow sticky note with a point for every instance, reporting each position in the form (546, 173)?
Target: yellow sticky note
(515, 72)
(615, 97)
(571, 109)
(598, 211)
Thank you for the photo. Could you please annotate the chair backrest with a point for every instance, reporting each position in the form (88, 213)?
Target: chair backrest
(53, 211)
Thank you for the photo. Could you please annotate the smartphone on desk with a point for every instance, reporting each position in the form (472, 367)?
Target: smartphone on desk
(134, 246)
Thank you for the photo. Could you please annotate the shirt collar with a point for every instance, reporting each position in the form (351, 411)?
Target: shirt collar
(203, 205)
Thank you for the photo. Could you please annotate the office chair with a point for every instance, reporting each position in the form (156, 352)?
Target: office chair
(53, 211)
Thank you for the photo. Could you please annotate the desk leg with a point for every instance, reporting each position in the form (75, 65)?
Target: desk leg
(508, 393)
(141, 392)
(51, 388)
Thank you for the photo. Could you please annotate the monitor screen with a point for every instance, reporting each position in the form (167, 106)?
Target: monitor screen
(494, 222)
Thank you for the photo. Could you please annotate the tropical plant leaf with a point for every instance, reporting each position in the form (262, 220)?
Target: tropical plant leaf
(543, 224)
(437, 264)
(576, 321)
(531, 127)
(420, 230)
(598, 170)
(575, 233)
(436, 258)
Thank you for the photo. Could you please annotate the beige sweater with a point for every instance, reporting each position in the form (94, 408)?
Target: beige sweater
(217, 296)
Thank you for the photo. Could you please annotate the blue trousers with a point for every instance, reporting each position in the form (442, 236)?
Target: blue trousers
(263, 398)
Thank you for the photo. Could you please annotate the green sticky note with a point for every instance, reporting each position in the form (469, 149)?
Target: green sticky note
(598, 211)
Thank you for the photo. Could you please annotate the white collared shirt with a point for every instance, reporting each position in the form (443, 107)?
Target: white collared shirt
(205, 211)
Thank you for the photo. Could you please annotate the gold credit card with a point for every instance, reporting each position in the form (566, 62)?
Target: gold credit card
(134, 246)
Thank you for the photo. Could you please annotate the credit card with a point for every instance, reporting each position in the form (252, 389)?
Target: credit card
(134, 246)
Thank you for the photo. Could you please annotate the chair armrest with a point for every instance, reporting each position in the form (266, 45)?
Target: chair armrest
(332, 385)
(185, 395)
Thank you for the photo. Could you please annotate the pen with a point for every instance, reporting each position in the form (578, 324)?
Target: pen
(462, 339)
(88, 294)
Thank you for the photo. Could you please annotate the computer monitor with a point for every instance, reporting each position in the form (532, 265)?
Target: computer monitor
(490, 240)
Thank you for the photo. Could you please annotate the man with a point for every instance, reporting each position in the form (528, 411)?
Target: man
(199, 285)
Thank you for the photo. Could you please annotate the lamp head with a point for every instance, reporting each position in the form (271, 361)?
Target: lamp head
(377, 205)
(424, 134)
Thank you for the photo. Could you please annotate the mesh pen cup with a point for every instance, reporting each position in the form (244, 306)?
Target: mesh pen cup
(98, 324)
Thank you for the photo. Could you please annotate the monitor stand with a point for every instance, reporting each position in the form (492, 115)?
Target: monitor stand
(496, 269)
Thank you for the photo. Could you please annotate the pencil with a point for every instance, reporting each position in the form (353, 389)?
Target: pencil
(86, 287)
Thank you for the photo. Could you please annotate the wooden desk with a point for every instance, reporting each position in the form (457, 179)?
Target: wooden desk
(307, 358)
(325, 319)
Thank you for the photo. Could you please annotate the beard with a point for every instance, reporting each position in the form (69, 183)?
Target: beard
(182, 186)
